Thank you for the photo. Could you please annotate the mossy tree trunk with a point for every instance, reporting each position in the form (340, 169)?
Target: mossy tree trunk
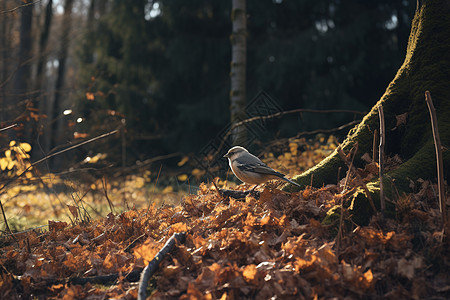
(426, 67)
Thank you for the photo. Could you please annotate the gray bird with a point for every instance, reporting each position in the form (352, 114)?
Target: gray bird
(250, 169)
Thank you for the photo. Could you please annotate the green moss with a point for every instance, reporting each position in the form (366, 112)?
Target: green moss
(332, 219)
(426, 67)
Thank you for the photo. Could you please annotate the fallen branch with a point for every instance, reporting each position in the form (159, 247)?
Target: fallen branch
(238, 194)
(439, 161)
(151, 268)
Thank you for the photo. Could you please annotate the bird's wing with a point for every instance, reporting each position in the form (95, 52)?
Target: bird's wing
(260, 168)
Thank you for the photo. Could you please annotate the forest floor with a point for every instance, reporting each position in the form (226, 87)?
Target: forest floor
(272, 246)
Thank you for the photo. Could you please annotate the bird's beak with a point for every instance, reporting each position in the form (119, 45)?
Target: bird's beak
(226, 155)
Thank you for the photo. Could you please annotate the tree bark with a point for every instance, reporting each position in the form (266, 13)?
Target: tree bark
(58, 121)
(43, 46)
(22, 77)
(238, 68)
(426, 67)
(40, 101)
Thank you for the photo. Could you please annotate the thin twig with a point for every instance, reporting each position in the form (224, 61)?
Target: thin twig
(42, 160)
(19, 7)
(374, 145)
(341, 217)
(8, 127)
(217, 189)
(358, 177)
(381, 159)
(439, 161)
(105, 190)
(152, 160)
(298, 135)
(280, 114)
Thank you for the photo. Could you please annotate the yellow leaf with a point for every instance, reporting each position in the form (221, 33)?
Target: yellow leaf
(12, 143)
(8, 153)
(11, 164)
(25, 147)
(182, 177)
(28, 175)
(183, 161)
(3, 163)
(139, 182)
(168, 189)
(198, 172)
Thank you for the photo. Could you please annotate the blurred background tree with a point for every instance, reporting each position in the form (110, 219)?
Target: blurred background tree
(160, 69)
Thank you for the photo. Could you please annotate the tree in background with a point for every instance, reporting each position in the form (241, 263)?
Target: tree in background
(163, 66)
(22, 79)
(238, 93)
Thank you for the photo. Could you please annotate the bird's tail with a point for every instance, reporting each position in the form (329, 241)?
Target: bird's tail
(291, 182)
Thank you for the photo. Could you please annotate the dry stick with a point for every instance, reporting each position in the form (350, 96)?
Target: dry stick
(151, 268)
(42, 160)
(381, 159)
(18, 7)
(105, 190)
(439, 161)
(358, 177)
(341, 217)
(238, 194)
(374, 146)
(217, 189)
(8, 127)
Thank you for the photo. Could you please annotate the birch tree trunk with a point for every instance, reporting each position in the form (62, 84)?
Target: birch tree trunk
(238, 68)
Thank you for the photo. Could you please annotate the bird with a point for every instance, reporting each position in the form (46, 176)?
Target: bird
(250, 169)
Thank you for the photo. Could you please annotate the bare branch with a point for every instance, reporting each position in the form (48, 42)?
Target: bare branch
(19, 7)
(8, 127)
(439, 161)
(380, 158)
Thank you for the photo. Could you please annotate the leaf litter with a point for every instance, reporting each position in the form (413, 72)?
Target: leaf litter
(274, 247)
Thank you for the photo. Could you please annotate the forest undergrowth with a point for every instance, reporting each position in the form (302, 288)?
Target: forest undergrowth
(272, 246)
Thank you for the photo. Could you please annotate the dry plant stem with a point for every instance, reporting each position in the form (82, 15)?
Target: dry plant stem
(439, 161)
(358, 177)
(374, 147)
(341, 217)
(217, 189)
(8, 127)
(152, 266)
(6, 222)
(380, 158)
(42, 160)
(19, 7)
(105, 190)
